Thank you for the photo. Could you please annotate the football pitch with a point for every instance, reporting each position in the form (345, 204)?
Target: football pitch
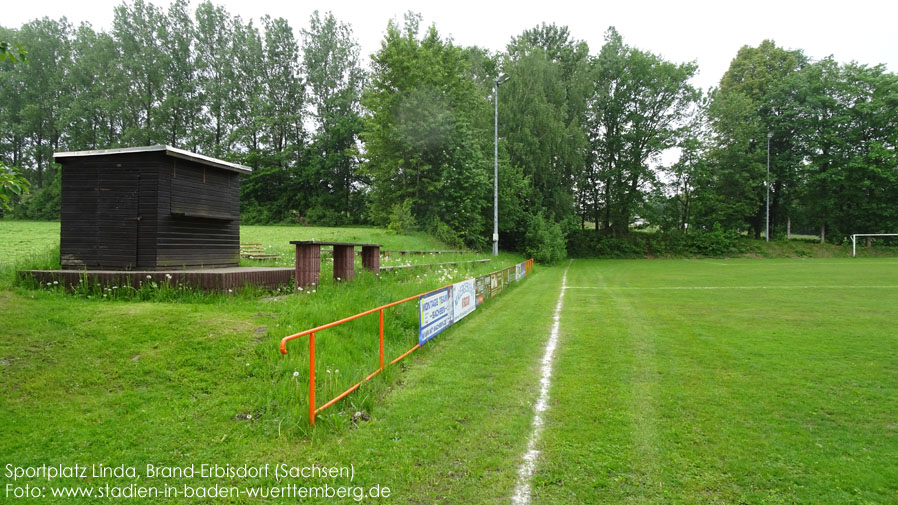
(724, 381)
(756, 381)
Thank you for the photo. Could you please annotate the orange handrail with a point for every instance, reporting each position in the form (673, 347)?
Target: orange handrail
(311, 334)
(344, 320)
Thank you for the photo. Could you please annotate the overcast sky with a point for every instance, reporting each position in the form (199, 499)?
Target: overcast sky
(710, 32)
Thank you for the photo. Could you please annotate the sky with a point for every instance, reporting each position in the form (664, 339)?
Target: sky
(708, 32)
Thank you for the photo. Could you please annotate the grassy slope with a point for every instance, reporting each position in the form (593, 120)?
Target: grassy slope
(20, 240)
(725, 396)
(98, 381)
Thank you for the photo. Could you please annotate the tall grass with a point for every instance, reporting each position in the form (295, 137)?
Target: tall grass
(345, 354)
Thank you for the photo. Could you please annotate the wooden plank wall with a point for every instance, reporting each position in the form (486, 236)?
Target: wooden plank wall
(102, 198)
(198, 216)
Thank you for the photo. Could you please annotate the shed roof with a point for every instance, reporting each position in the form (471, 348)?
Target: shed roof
(167, 150)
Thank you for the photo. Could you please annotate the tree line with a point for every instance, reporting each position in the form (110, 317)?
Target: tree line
(408, 142)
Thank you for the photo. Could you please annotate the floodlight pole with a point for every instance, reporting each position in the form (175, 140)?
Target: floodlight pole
(499, 81)
(767, 226)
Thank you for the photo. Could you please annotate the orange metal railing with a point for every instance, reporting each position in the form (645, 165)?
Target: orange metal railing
(311, 334)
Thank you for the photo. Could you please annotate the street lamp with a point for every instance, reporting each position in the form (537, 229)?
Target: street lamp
(499, 81)
(767, 226)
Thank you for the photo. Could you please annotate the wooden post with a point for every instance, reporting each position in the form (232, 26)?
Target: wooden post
(344, 268)
(371, 258)
(308, 264)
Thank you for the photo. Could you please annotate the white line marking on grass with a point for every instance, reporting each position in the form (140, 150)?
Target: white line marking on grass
(525, 473)
(651, 288)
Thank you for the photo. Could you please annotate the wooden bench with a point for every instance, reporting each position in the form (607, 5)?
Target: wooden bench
(308, 260)
(390, 252)
(255, 251)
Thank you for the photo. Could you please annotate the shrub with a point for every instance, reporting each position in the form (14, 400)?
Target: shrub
(401, 218)
(544, 242)
(717, 242)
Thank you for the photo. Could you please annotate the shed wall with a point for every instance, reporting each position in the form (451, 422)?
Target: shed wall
(148, 211)
(102, 200)
(198, 216)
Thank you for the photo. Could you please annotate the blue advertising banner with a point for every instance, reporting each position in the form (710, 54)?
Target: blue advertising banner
(464, 299)
(521, 271)
(434, 314)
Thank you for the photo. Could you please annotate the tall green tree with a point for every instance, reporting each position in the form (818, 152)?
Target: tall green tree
(215, 72)
(763, 79)
(180, 106)
(542, 113)
(284, 94)
(136, 29)
(98, 90)
(638, 109)
(334, 77)
(12, 183)
(848, 119)
(249, 97)
(422, 140)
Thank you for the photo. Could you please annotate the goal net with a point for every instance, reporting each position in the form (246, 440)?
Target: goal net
(856, 235)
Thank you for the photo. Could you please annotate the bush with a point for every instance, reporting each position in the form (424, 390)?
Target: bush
(544, 242)
(444, 233)
(717, 242)
(42, 204)
(401, 218)
(714, 243)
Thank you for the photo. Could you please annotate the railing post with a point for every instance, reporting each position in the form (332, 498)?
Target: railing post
(381, 339)
(312, 379)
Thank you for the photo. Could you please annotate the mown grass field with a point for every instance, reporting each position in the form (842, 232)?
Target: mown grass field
(675, 381)
(725, 381)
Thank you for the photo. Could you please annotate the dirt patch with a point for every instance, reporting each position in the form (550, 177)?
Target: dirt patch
(360, 417)
(247, 416)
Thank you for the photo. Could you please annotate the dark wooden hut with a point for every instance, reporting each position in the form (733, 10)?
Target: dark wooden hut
(149, 208)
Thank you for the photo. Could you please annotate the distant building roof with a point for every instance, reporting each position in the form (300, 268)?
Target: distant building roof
(168, 150)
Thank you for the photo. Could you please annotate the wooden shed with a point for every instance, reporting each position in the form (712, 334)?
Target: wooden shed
(149, 208)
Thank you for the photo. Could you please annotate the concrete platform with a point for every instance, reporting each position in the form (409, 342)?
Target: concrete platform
(208, 279)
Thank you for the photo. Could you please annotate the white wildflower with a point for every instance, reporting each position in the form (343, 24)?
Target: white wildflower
(296, 374)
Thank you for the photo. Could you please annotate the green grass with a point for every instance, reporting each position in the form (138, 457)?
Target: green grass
(22, 240)
(744, 394)
(276, 240)
(660, 394)
(199, 379)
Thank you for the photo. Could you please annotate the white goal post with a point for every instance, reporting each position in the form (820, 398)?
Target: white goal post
(856, 235)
